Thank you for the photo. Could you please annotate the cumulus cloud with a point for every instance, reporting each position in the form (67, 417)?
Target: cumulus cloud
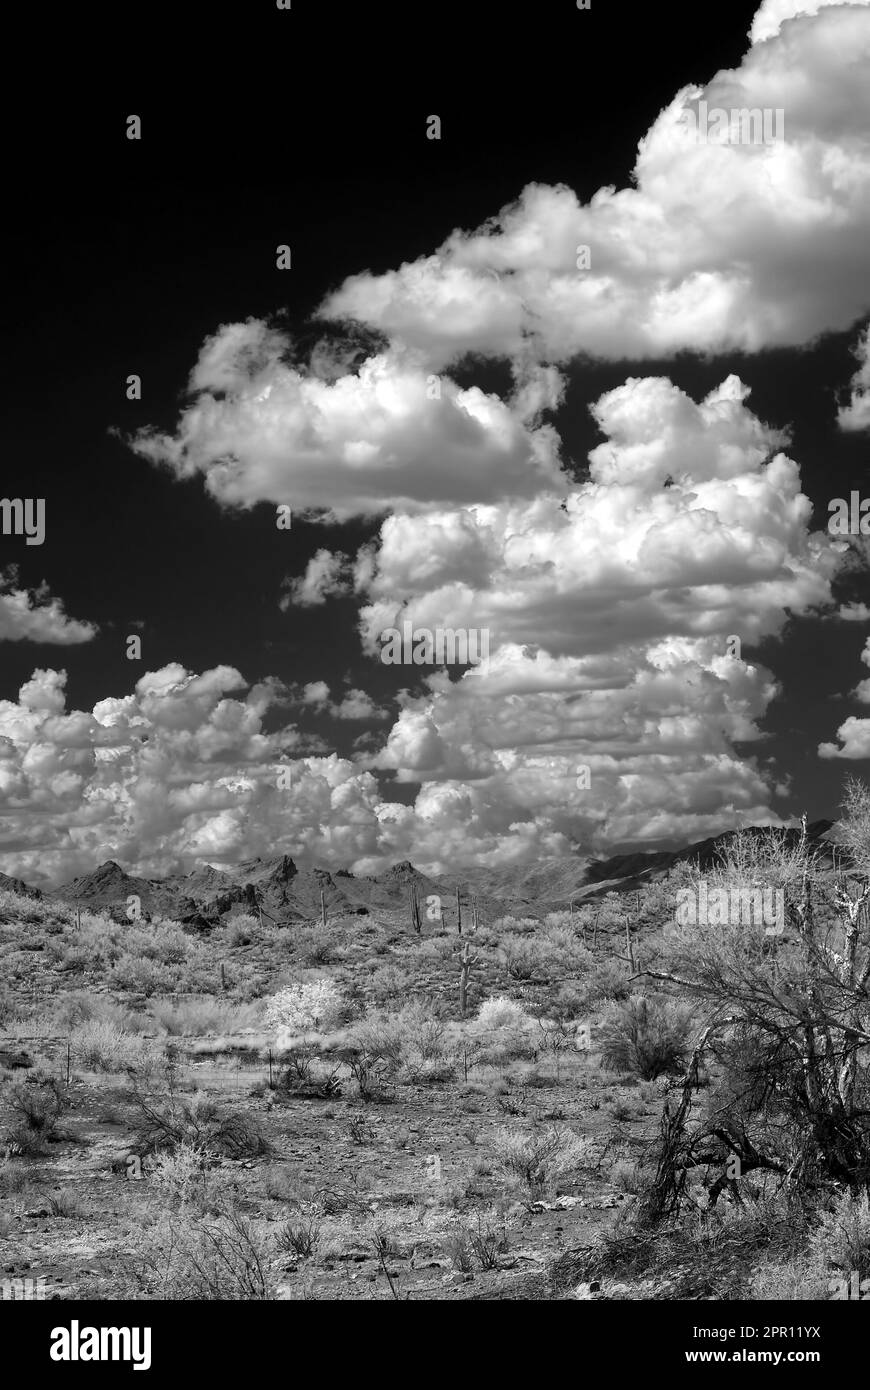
(327, 575)
(177, 772)
(610, 624)
(693, 522)
(853, 733)
(388, 435)
(610, 604)
(862, 691)
(718, 246)
(32, 615)
(854, 736)
(854, 613)
(356, 704)
(613, 605)
(612, 616)
(772, 14)
(181, 772)
(856, 415)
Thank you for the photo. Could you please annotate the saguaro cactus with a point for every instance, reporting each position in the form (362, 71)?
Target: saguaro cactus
(415, 909)
(466, 960)
(632, 968)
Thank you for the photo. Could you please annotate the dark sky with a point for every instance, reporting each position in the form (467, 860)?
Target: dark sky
(262, 127)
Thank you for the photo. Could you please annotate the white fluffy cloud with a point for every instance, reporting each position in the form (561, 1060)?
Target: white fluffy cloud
(853, 733)
(390, 435)
(356, 704)
(720, 246)
(856, 415)
(178, 771)
(854, 736)
(31, 615)
(693, 523)
(610, 603)
(609, 621)
(772, 14)
(326, 576)
(610, 607)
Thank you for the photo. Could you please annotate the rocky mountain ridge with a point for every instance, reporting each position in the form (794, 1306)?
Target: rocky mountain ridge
(287, 893)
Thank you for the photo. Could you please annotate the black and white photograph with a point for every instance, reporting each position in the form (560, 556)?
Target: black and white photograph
(435, 667)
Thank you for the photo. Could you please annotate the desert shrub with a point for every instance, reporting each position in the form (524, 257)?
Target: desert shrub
(381, 1036)
(73, 960)
(195, 1017)
(646, 1037)
(373, 1075)
(488, 1239)
(139, 975)
(307, 1077)
(318, 945)
(562, 919)
(507, 925)
(525, 957)
(424, 1043)
(606, 981)
(564, 947)
(533, 1160)
(302, 1236)
(74, 1007)
(622, 1111)
(500, 1046)
(34, 1106)
(13, 1176)
(163, 941)
(218, 1258)
(499, 1011)
(304, 1008)
(240, 930)
(65, 1206)
(794, 1280)
(10, 1011)
(459, 1251)
(180, 1174)
(842, 1238)
(625, 1176)
(194, 1120)
(389, 984)
(19, 910)
(100, 1045)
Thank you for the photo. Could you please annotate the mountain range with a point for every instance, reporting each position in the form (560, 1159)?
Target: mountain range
(286, 893)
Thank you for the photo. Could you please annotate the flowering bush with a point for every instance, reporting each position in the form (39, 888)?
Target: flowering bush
(305, 1008)
(501, 1012)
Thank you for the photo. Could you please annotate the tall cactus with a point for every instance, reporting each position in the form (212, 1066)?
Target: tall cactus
(415, 909)
(632, 968)
(466, 960)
